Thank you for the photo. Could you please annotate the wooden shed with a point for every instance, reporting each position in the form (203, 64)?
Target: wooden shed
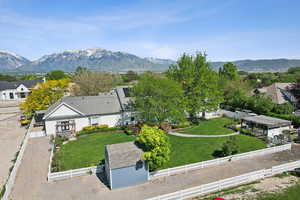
(123, 165)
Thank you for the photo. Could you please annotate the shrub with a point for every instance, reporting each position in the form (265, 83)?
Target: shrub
(156, 145)
(230, 147)
(165, 126)
(181, 125)
(89, 128)
(102, 126)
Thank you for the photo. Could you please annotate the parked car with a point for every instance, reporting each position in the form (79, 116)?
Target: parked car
(24, 121)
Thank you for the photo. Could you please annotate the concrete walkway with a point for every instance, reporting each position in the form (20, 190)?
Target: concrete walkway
(11, 137)
(201, 136)
(31, 181)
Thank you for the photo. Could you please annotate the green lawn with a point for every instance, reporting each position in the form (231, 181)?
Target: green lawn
(210, 127)
(191, 150)
(89, 150)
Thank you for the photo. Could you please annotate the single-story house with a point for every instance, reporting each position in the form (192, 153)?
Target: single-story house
(279, 93)
(17, 90)
(123, 165)
(71, 114)
(266, 126)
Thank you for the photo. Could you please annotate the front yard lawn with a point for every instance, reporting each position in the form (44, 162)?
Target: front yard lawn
(89, 150)
(210, 127)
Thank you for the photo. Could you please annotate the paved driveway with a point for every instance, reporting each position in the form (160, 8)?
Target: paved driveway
(11, 136)
(31, 180)
(9, 110)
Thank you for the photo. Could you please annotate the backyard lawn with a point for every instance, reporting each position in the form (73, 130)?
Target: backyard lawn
(210, 127)
(89, 150)
(191, 150)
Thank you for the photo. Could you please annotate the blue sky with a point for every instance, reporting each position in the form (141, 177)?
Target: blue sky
(225, 29)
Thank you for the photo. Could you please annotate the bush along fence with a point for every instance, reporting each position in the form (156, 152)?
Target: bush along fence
(54, 176)
(6, 190)
(185, 168)
(229, 182)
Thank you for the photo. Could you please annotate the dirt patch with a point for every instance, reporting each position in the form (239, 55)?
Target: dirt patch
(250, 191)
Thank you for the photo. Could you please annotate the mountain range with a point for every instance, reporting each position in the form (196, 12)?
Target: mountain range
(103, 60)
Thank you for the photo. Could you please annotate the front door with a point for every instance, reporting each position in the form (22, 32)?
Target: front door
(65, 126)
(11, 95)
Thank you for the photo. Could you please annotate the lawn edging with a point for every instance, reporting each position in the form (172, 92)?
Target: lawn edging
(198, 165)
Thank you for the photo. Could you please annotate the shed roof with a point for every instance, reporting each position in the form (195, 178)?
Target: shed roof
(123, 154)
(270, 122)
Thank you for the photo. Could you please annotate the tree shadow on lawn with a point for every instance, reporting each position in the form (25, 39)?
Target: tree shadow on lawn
(218, 153)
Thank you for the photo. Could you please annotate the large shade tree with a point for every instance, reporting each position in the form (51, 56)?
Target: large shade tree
(92, 83)
(158, 99)
(199, 82)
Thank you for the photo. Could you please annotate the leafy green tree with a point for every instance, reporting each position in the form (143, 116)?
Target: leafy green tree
(156, 145)
(44, 95)
(199, 82)
(229, 71)
(80, 69)
(130, 76)
(285, 108)
(158, 99)
(56, 75)
(4, 77)
(230, 147)
(236, 98)
(260, 104)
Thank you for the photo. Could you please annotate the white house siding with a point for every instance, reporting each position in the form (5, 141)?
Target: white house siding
(277, 131)
(50, 127)
(5, 94)
(111, 120)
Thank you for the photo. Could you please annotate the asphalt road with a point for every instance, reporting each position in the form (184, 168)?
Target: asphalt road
(9, 110)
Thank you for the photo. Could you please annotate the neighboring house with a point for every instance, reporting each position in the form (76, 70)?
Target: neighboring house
(265, 126)
(71, 114)
(124, 166)
(17, 90)
(279, 93)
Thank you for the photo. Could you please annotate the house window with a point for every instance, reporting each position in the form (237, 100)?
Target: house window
(65, 125)
(22, 95)
(132, 119)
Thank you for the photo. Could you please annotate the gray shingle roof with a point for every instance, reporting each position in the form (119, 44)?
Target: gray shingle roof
(5, 85)
(124, 100)
(270, 122)
(90, 105)
(123, 154)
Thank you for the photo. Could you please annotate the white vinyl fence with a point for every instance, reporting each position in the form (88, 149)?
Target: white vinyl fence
(229, 182)
(11, 179)
(55, 176)
(185, 168)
